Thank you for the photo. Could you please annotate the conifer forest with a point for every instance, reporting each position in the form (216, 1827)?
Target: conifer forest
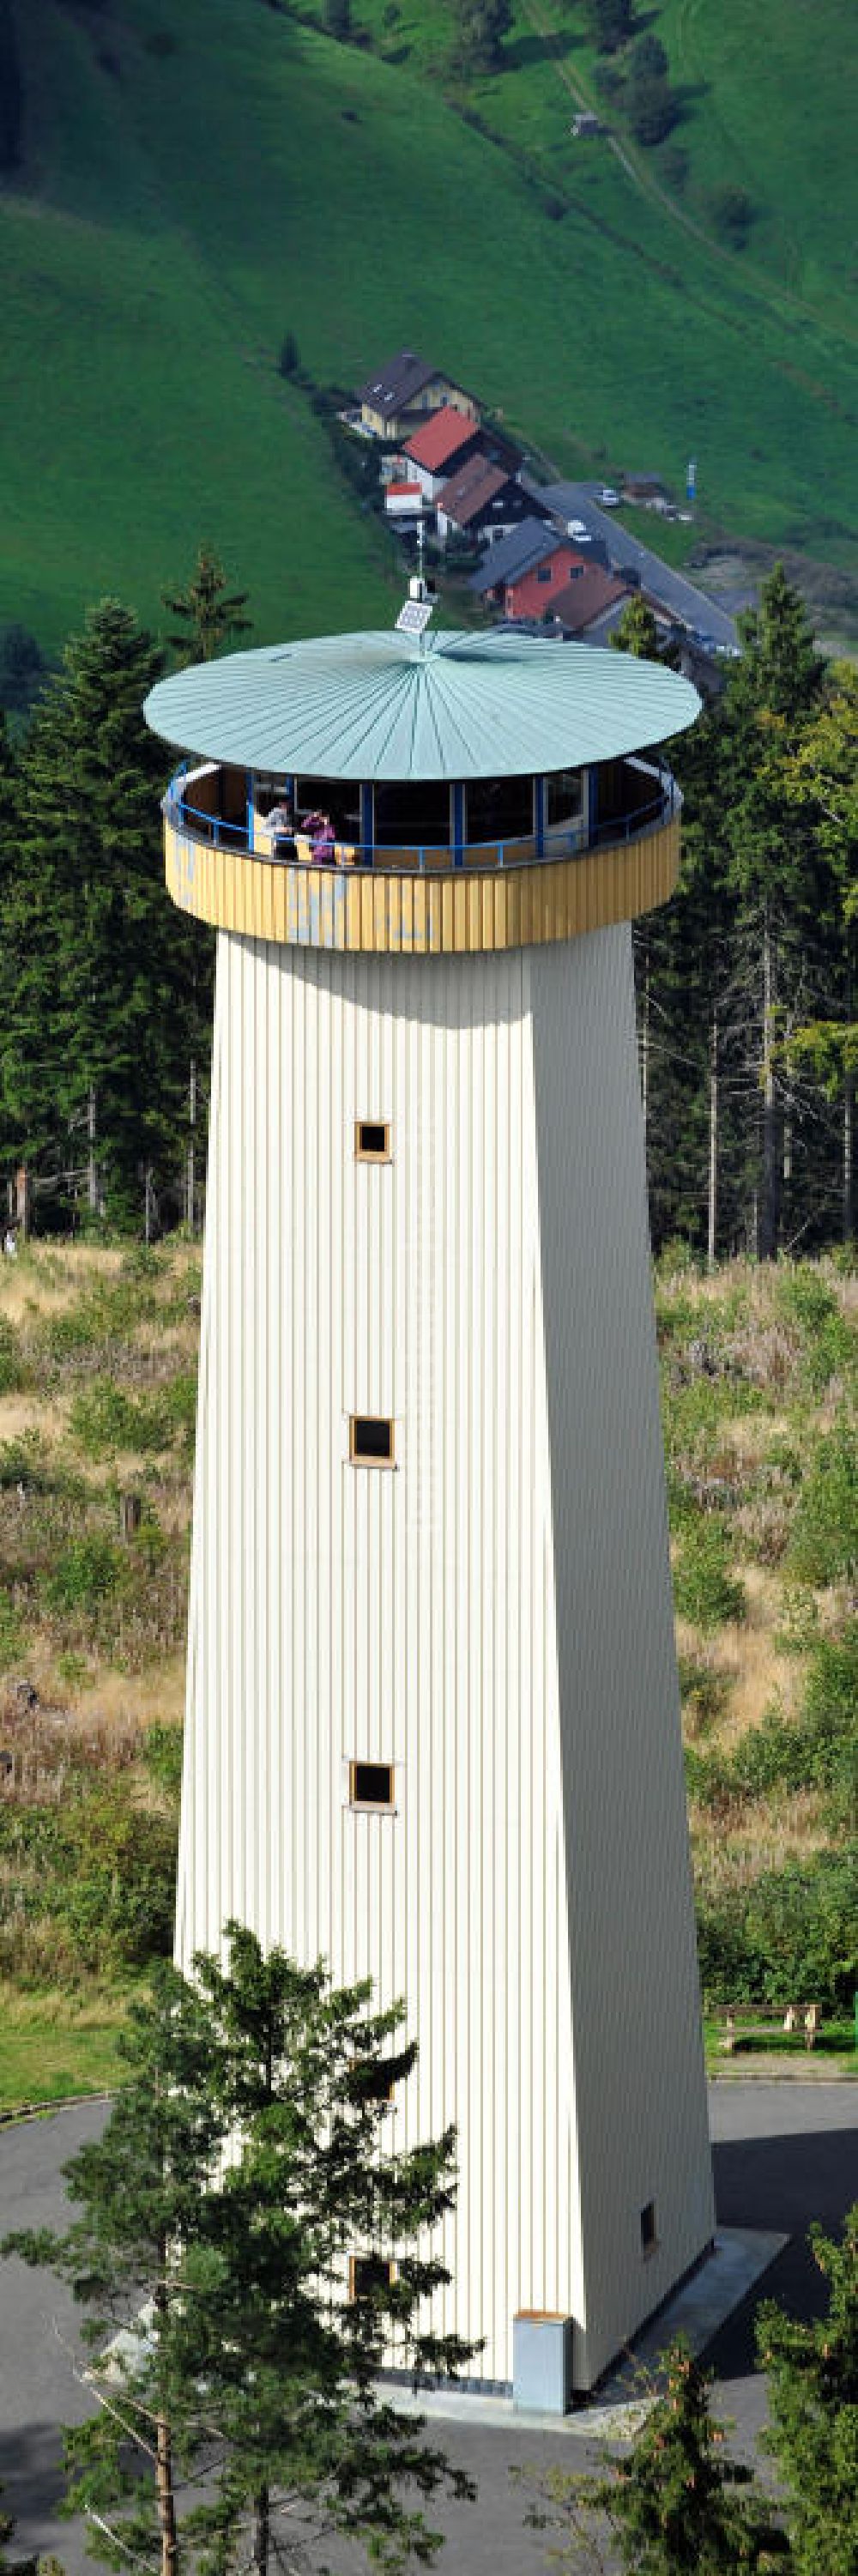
(745, 981)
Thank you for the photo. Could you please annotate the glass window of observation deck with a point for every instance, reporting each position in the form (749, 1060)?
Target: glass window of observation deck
(415, 817)
(563, 796)
(499, 809)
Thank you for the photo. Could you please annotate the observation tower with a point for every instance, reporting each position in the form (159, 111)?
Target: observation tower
(433, 1714)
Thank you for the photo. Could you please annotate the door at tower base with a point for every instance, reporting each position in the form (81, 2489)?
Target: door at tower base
(482, 1615)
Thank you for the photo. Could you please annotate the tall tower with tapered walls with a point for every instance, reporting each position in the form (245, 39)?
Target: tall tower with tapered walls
(432, 1716)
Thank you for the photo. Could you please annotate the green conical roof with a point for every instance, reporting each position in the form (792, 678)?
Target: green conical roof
(449, 705)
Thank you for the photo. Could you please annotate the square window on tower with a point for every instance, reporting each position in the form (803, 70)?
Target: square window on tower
(371, 1784)
(369, 2273)
(370, 1440)
(372, 1141)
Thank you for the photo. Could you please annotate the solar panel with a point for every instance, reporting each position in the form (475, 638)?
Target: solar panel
(414, 616)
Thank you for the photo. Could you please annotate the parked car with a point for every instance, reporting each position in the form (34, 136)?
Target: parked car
(609, 499)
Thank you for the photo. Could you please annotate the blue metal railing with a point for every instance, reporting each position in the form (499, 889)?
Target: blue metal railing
(433, 857)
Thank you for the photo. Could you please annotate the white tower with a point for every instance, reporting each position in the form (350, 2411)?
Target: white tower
(433, 1722)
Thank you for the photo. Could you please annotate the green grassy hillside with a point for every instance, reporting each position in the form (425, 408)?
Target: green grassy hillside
(197, 182)
(98, 1349)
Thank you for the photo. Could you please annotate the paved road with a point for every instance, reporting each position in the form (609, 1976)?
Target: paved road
(784, 2153)
(691, 606)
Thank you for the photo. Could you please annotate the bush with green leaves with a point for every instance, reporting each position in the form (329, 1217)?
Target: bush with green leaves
(86, 1574)
(705, 1590)
(791, 1935)
(824, 1543)
(14, 1373)
(829, 1343)
(87, 1885)
(105, 1418)
(815, 1751)
(731, 211)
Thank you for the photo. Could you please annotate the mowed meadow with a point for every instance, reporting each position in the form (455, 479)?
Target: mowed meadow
(195, 185)
(98, 1351)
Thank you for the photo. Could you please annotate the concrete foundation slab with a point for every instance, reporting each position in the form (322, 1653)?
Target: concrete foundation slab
(617, 2408)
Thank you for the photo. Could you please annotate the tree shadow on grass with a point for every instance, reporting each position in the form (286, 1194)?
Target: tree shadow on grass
(525, 50)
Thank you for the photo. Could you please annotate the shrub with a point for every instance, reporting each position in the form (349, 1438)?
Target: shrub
(704, 1694)
(824, 1542)
(84, 1575)
(162, 1754)
(791, 1936)
(829, 1343)
(705, 1591)
(119, 1898)
(674, 167)
(104, 1418)
(289, 359)
(14, 1374)
(731, 213)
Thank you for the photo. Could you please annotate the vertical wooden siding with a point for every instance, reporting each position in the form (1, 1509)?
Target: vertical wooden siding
(493, 1617)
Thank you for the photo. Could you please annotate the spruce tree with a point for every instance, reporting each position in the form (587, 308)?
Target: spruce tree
(675, 2505)
(812, 2381)
(209, 615)
(320, 2186)
(99, 973)
(129, 2257)
(249, 2163)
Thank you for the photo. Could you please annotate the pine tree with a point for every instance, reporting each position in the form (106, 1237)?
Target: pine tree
(246, 2160)
(293, 2366)
(210, 616)
(130, 2259)
(98, 971)
(812, 2376)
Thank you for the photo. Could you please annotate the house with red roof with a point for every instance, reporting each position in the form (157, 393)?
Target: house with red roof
(444, 445)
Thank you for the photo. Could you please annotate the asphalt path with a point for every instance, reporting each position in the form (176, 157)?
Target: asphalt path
(693, 607)
(784, 2153)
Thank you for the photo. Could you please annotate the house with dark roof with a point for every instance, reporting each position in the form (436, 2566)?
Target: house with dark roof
(400, 394)
(527, 550)
(593, 600)
(447, 442)
(481, 502)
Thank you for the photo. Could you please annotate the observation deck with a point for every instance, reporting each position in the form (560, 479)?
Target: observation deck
(461, 794)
